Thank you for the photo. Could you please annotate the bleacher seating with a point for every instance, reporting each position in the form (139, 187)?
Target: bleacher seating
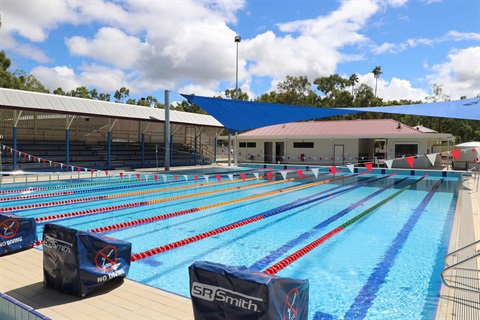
(123, 155)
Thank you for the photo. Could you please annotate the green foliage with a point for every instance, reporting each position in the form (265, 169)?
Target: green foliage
(231, 94)
(121, 94)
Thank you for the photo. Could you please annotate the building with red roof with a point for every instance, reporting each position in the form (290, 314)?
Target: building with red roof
(340, 143)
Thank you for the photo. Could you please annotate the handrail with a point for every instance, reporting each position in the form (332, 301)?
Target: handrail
(451, 254)
(456, 267)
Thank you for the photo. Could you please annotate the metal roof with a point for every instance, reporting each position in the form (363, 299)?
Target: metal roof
(50, 103)
(376, 128)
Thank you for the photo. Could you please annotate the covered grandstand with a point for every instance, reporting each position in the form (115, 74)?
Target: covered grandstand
(50, 132)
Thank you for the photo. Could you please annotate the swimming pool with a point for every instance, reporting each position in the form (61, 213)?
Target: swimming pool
(386, 265)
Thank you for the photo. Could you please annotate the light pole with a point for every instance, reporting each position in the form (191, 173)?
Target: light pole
(237, 41)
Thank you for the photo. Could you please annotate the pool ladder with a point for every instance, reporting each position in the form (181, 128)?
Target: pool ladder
(462, 269)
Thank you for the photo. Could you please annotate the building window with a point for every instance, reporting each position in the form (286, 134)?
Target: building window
(247, 145)
(303, 144)
(406, 150)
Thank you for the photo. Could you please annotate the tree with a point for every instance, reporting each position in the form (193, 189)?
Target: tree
(28, 82)
(377, 71)
(80, 92)
(59, 91)
(353, 81)
(333, 87)
(121, 94)
(296, 91)
(231, 94)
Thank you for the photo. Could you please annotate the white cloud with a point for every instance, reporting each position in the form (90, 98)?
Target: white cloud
(460, 75)
(110, 46)
(395, 89)
(53, 78)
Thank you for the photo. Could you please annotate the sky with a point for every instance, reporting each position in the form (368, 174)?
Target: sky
(187, 46)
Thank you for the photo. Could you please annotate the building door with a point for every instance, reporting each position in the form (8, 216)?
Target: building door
(279, 151)
(268, 155)
(338, 154)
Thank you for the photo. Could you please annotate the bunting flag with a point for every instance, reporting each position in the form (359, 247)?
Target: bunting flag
(206, 176)
(256, 175)
(164, 178)
(86, 170)
(333, 170)
(138, 176)
(456, 154)
(186, 177)
(432, 158)
(106, 172)
(79, 169)
(284, 174)
(369, 166)
(146, 177)
(300, 173)
(196, 177)
(230, 176)
(389, 164)
(269, 175)
(91, 172)
(155, 177)
(243, 176)
(54, 164)
(73, 167)
(175, 177)
(218, 177)
(315, 172)
(121, 175)
(410, 161)
(351, 167)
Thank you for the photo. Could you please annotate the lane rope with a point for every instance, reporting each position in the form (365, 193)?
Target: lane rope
(309, 247)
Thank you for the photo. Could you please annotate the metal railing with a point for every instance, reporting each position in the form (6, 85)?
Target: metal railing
(462, 268)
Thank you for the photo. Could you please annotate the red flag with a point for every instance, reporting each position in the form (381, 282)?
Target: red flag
(456, 154)
(138, 176)
(196, 177)
(218, 177)
(106, 172)
(175, 177)
(78, 169)
(410, 161)
(474, 150)
(300, 173)
(121, 175)
(91, 172)
(66, 166)
(155, 177)
(333, 170)
(369, 165)
(269, 176)
(243, 176)
(54, 164)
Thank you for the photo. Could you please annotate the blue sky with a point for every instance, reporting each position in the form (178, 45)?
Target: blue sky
(187, 46)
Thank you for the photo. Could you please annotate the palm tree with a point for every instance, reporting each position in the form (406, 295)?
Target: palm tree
(377, 71)
(353, 80)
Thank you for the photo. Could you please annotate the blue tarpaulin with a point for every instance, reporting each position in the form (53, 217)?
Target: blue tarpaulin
(238, 115)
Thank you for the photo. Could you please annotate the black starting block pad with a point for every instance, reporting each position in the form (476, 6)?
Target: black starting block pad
(237, 293)
(77, 262)
(16, 233)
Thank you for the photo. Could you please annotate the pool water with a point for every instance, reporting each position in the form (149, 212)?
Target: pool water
(385, 265)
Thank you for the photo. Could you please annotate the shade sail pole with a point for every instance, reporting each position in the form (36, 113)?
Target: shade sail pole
(167, 130)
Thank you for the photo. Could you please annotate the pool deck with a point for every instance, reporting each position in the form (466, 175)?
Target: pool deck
(21, 278)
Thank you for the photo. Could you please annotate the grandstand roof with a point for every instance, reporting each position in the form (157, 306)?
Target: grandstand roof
(50, 103)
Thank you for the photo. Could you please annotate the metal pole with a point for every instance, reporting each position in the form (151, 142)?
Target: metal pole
(229, 149)
(156, 154)
(167, 130)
